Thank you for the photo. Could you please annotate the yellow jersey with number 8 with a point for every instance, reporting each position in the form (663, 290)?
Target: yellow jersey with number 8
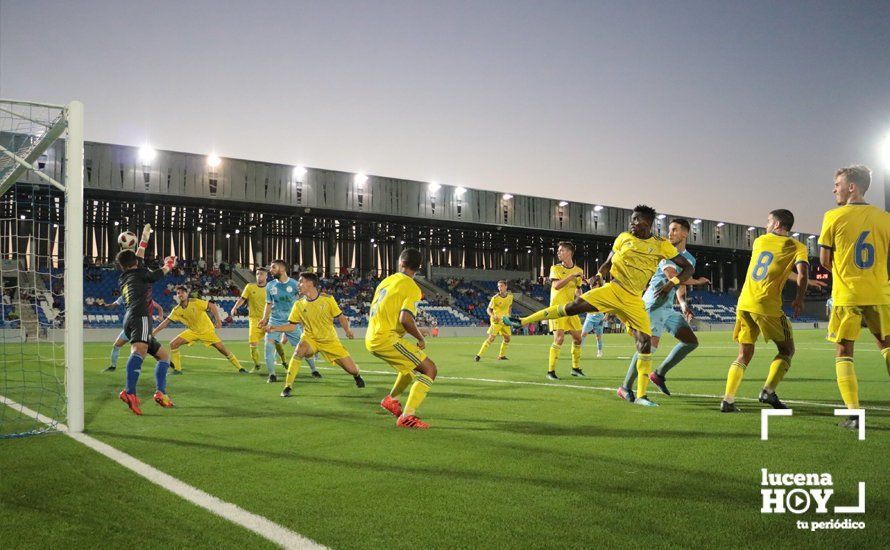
(772, 257)
(395, 294)
(858, 235)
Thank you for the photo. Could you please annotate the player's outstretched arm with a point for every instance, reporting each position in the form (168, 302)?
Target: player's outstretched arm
(686, 271)
(684, 305)
(214, 312)
(289, 327)
(407, 321)
(344, 322)
(237, 306)
(143, 242)
(803, 270)
(161, 326)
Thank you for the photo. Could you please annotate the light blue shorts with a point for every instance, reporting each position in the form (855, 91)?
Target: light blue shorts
(592, 325)
(293, 337)
(122, 336)
(666, 319)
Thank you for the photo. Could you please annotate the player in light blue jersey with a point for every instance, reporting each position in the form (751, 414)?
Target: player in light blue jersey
(664, 318)
(281, 294)
(155, 310)
(594, 323)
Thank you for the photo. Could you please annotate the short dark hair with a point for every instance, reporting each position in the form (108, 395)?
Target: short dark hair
(646, 212)
(263, 269)
(281, 263)
(682, 223)
(309, 276)
(183, 288)
(858, 174)
(411, 258)
(566, 244)
(126, 259)
(785, 218)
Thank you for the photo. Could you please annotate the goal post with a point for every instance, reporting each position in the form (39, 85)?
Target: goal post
(41, 267)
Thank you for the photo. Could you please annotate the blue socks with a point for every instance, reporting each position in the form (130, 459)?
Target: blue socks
(161, 375)
(134, 368)
(676, 355)
(270, 356)
(115, 352)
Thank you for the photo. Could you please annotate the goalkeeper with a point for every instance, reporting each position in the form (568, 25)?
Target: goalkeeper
(135, 287)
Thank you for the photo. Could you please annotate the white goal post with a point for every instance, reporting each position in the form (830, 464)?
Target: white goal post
(29, 132)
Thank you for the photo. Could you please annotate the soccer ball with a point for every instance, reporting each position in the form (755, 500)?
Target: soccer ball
(127, 240)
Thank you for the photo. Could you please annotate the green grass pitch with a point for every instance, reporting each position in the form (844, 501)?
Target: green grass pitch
(512, 460)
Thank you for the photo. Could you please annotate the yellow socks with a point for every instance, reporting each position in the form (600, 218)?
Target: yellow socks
(644, 368)
(234, 361)
(777, 370)
(484, 348)
(402, 381)
(176, 358)
(576, 356)
(847, 382)
(255, 355)
(552, 312)
(554, 357)
(503, 351)
(417, 394)
(885, 353)
(292, 369)
(734, 379)
(280, 349)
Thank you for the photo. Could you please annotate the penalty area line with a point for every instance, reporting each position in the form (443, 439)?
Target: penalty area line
(263, 527)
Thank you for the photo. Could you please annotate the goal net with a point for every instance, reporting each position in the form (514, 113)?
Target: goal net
(41, 273)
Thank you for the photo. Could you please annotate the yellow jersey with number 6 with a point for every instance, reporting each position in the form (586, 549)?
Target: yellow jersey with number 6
(772, 257)
(395, 294)
(858, 235)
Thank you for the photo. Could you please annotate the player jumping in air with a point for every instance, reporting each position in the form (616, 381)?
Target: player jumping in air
(854, 245)
(155, 312)
(282, 293)
(254, 295)
(316, 312)
(499, 307)
(632, 262)
(192, 312)
(759, 309)
(136, 286)
(393, 310)
(663, 317)
(565, 284)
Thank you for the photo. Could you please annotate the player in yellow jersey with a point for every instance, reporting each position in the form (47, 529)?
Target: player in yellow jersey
(566, 279)
(498, 308)
(759, 310)
(392, 315)
(631, 264)
(854, 246)
(254, 295)
(316, 311)
(192, 312)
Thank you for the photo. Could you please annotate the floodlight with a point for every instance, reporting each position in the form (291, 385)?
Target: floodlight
(213, 161)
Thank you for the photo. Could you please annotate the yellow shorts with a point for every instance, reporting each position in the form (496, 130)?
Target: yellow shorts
(748, 327)
(255, 334)
(611, 298)
(208, 337)
(331, 350)
(499, 329)
(846, 321)
(402, 355)
(572, 322)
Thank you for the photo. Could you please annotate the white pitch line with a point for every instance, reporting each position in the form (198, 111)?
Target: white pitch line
(573, 386)
(263, 527)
